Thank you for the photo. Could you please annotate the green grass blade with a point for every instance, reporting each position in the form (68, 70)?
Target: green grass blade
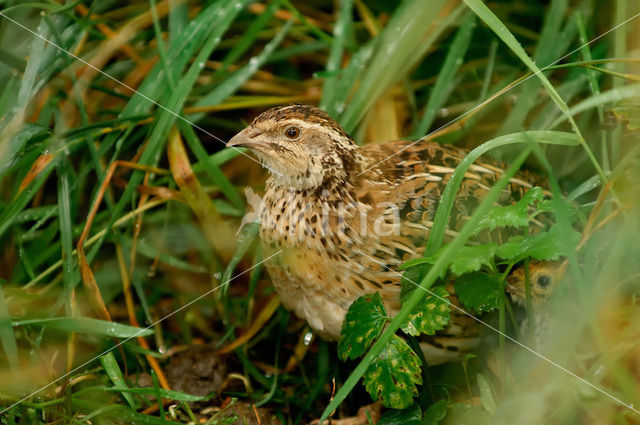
(87, 325)
(613, 95)
(340, 30)
(505, 35)
(444, 83)
(166, 116)
(211, 169)
(547, 50)
(7, 336)
(250, 35)
(66, 231)
(411, 31)
(114, 373)
(238, 78)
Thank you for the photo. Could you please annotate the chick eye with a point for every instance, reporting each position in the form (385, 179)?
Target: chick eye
(543, 281)
(292, 133)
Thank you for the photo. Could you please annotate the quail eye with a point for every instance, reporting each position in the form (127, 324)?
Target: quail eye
(543, 281)
(292, 133)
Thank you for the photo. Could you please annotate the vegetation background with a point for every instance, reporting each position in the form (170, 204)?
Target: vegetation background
(119, 205)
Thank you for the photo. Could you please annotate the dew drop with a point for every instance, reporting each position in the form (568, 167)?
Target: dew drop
(307, 338)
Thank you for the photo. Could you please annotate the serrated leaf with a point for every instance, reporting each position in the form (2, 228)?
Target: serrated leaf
(362, 325)
(544, 246)
(478, 291)
(430, 315)
(392, 377)
(472, 258)
(467, 258)
(435, 413)
(412, 415)
(516, 215)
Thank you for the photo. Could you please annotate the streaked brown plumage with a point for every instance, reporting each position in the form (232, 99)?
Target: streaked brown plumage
(346, 217)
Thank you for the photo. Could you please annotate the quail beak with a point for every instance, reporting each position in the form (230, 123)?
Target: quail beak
(247, 138)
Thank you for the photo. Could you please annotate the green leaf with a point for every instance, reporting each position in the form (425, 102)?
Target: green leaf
(362, 325)
(478, 291)
(466, 414)
(544, 246)
(435, 413)
(487, 394)
(393, 375)
(511, 215)
(430, 315)
(412, 415)
(471, 258)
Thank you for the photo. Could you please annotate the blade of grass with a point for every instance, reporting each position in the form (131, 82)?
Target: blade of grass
(241, 76)
(86, 325)
(594, 86)
(613, 95)
(168, 394)
(10, 125)
(23, 197)
(437, 269)
(211, 169)
(166, 115)
(250, 35)
(403, 42)
(66, 231)
(444, 83)
(501, 31)
(315, 30)
(7, 336)
(114, 373)
(340, 30)
(547, 50)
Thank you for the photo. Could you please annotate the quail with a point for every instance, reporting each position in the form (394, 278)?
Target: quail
(340, 219)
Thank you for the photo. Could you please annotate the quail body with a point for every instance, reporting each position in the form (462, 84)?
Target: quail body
(341, 218)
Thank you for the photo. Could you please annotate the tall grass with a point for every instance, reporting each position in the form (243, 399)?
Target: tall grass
(121, 109)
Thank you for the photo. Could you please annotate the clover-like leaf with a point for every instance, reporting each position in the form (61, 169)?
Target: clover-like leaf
(362, 325)
(478, 291)
(516, 215)
(548, 245)
(430, 315)
(392, 377)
